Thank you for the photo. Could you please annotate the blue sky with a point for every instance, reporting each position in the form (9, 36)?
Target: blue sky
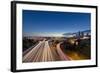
(49, 23)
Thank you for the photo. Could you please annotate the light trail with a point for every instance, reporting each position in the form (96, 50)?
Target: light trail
(42, 52)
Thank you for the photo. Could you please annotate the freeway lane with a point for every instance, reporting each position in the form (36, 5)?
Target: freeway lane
(61, 54)
(42, 52)
(47, 53)
(32, 53)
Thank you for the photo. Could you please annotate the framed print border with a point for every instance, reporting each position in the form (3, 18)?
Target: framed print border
(14, 35)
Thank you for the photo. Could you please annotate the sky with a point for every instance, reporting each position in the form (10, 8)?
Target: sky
(49, 23)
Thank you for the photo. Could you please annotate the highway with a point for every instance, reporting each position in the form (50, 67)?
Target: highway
(42, 52)
(61, 54)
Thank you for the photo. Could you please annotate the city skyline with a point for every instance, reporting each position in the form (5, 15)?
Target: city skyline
(49, 23)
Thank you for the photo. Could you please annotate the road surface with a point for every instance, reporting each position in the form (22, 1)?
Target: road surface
(43, 53)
